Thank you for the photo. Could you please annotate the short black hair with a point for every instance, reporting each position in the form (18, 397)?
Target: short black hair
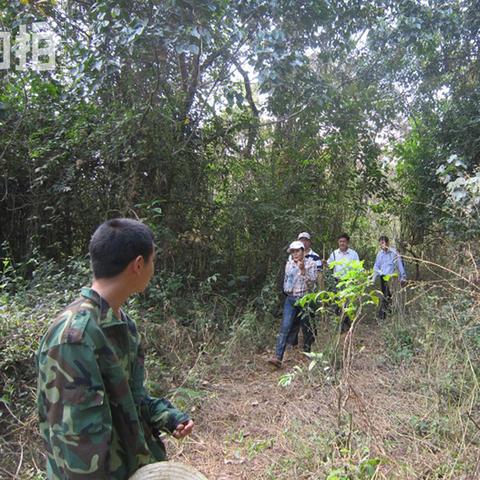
(345, 236)
(116, 243)
(383, 238)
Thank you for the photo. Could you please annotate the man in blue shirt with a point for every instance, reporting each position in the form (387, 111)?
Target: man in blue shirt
(388, 262)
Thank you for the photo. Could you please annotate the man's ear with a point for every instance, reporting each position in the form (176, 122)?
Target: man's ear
(137, 264)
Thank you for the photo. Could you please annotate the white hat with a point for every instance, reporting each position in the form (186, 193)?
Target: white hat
(304, 235)
(296, 245)
(167, 470)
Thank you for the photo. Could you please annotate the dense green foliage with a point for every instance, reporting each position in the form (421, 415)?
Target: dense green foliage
(229, 126)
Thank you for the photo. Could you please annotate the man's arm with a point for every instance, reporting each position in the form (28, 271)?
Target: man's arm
(159, 413)
(401, 268)
(331, 258)
(74, 417)
(320, 278)
(377, 271)
(285, 281)
(290, 271)
(311, 272)
(162, 415)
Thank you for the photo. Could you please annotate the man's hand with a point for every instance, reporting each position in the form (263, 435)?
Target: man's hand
(183, 429)
(301, 265)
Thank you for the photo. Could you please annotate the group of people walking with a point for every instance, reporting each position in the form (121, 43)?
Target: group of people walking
(304, 274)
(97, 418)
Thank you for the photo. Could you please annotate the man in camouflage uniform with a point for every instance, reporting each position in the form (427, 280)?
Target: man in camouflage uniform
(96, 417)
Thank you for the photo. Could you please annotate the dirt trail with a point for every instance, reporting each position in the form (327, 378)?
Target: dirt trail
(241, 425)
(250, 427)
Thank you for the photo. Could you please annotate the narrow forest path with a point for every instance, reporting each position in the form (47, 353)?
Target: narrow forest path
(242, 425)
(250, 427)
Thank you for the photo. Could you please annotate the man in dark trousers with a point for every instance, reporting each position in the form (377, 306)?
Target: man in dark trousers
(388, 262)
(343, 255)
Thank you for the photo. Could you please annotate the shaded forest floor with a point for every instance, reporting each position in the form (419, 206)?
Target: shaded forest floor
(248, 426)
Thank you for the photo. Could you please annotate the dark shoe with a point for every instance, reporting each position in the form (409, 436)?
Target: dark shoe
(276, 362)
(346, 324)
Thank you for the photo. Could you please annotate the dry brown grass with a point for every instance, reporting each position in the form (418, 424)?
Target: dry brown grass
(250, 427)
(247, 426)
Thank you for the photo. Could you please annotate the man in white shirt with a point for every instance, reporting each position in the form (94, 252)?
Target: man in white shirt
(344, 255)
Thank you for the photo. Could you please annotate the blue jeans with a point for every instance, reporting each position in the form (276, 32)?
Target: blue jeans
(293, 316)
(309, 328)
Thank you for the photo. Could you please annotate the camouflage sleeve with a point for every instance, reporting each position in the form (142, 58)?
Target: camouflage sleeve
(162, 415)
(76, 419)
(159, 413)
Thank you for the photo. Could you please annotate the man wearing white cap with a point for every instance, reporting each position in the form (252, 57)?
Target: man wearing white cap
(306, 239)
(300, 277)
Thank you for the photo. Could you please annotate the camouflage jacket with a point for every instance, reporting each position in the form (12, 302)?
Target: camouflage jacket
(96, 417)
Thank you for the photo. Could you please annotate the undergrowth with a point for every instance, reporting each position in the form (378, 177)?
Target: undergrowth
(180, 331)
(430, 348)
